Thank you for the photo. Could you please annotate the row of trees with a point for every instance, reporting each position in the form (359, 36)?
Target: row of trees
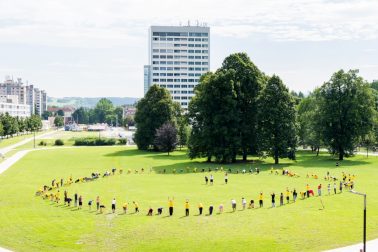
(239, 111)
(103, 112)
(10, 126)
(340, 115)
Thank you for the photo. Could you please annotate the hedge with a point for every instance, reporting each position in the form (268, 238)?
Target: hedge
(93, 141)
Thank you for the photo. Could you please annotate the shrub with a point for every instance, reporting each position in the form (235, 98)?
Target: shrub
(92, 141)
(122, 141)
(42, 143)
(59, 142)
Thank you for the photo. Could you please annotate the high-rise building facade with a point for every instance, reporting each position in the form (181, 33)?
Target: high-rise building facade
(27, 95)
(178, 56)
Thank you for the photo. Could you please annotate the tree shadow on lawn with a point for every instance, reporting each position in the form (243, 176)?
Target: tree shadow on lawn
(307, 159)
(232, 168)
(177, 155)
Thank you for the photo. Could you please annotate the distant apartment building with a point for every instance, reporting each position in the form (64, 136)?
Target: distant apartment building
(27, 95)
(178, 56)
(10, 104)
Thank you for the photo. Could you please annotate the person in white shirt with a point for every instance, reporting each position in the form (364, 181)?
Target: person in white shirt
(244, 203)
(113, 205)
(233, 204)
(211, 179)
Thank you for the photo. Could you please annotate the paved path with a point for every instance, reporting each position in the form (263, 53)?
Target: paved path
(13, 159)
(22, 142)
(370, 246)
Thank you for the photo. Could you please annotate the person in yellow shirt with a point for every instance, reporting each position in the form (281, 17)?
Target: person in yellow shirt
(261, 199)
(308, 190)
(200, 208)
(124, 207)
(187, 208)
(170, 206)
(287, 195)
(57, 196)
(136, 206)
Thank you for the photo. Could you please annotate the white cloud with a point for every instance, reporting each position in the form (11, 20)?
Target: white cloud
(113, 22)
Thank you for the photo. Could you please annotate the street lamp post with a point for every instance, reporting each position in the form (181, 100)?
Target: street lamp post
(34, 139)
(364, 231)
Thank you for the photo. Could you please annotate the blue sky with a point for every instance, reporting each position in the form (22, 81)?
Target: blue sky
(98, 48)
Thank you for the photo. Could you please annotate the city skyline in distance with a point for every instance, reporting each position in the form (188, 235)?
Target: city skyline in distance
(99, 49)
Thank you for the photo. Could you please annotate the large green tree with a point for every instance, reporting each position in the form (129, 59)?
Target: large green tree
(166, 137)
(248, 82)
(153, 111)
(277, 120)
(58, 121)
(215, 119)
(81, 115)
(104, 108)
(347, 111)
(310, 127)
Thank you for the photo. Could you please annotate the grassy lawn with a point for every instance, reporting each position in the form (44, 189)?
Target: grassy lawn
(9, 141)
(33, 224)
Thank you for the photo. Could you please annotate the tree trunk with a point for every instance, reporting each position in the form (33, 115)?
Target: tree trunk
(208, 159)
(317, 153)
(168, 153)
(276, 160)
(244, 154)
(341, 155)
(367, 151)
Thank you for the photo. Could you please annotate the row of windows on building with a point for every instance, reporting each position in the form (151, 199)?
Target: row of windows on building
(181, 34)
(180, 39)
(180, 45)
(175, 80)
(182, 97)
(181, 68)
(198, 63)
(177, 74)
(176, 86)
(155, 56)
(179, 51)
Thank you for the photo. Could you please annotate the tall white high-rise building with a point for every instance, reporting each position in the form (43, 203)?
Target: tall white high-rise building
(178, 56)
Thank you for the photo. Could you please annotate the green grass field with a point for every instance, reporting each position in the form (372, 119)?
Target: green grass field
(29, 223)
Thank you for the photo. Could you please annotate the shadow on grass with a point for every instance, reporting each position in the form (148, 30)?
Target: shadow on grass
(183, 165)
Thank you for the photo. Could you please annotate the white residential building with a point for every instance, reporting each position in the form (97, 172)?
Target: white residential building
(10, 104)
(27, 95)
(178, 56)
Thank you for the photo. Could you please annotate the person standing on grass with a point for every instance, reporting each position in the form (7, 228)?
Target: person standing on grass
(136, 206)
(308, 190)
(113, 205)
(320, 190)
(200, 208)
(170, 206)
(226, 178)
(281, 199)
(273, 199)
(287, 195)
(57, 196)
(211, 179)
(233, 205)
(295, 194)
(187, 208)
(206, 180)
(80, 202)
(75, 199)
(65, 196)
(211, 208)
(334, 187)
(244, 203)
(329, 189)
(221, 208)
(98, 203)
(261, 199)
(341, 187)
